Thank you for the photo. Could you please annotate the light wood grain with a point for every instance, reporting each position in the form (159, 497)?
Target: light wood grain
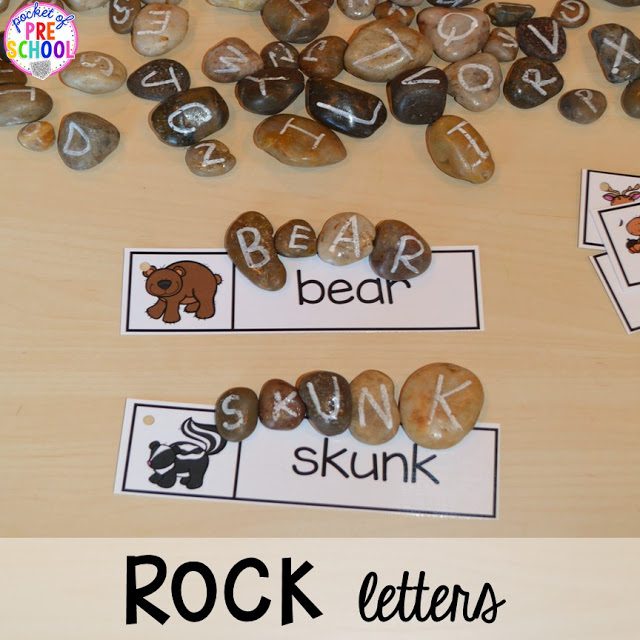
(561, 375)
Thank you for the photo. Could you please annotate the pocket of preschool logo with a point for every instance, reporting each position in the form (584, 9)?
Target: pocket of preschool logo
(41, 39)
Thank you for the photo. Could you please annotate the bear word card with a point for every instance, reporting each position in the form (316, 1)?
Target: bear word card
(174, 450)
(167, 291)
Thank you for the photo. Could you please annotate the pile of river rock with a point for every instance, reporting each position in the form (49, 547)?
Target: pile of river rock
(474, 43)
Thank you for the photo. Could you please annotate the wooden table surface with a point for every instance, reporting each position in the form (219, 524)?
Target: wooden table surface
(560, 373)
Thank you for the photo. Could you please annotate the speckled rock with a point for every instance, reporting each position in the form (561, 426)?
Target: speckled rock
(571, 13)
(270, 90)
(209, 158)
(323, 58)
(418, 96)
(440, 404)
(298, 141)
(189, 116)
(230, 60)
(249, 242)
(458, 150)
(375, 417)
(292, 21)
(279, 55)
(531, 82)
(327, 397)
(475, 82)
(404, 15)
(159, 79)
(94, 72)
(10, 74)
(296, 239)
(37, 136)
(630, 99)
(542, 38)
(455, 34)
(583, 106)
(501, 45)
(122, 14)
(158, 28)
(85, 140)
(346, 238)
(618, 51)
(20, 104)
(508, 14)
(237, 413)
(399, 251)
(280, 406)
(357, 9)
(380, 50)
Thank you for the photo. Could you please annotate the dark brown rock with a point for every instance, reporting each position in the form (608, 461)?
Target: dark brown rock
(531, 82)
(10, 74)
(230, 60)
(122, 13)
(327, 397)
(630, 99)
(280, 406)
(279, 55)
(508, 14)
(571, 13)
(159, 79)
(237, 413)
(583, 106)
(292, 21)
(85, 140)
(404, 15)
(542, 38)
(296, 239)
(418, 96)
(323, 58)
(618, 51)
(270, 90)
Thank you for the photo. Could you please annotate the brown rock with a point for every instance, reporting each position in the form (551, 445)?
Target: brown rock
(298, 141)
(296, 239)
(85, 140)
(10, 75)
(122, 13)
(237, 413)
(323, 58)
(279, 55)
(327, 397)
(440, 404)
(209, 158)
(346, 238)
(458, 150)
(542, 38)
(399, 251)
(630, 99)
(230, 60)
(501, 45)
(571, 13)
(583, 106)
(404, 15)
(20, 104)
(292, 21)
(249, 242)
(37, 136)
(280, 406)
(375, 416)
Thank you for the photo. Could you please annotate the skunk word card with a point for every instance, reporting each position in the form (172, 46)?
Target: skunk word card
(208, 295)
(174, 450)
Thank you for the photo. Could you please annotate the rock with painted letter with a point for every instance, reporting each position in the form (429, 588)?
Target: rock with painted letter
(279, 55)
(122, 14)
(502, 45)
(280, 406)
(375, 416)
(323, 58)
(158, 28)
(230, 60)
(293, 21)
(618, 51)
(189, 116)
(583, 106)
(399, 251)
(346, 238)
(531, 82)
(20, 104)
(542, 38)
(269, 91)
(387, 9)
(94, 72)
(209, 158)
(298, 141)
(571, 13)
(296, 239)
(159, 79)
(237, 414)
(418, 96)
(508, 14)
(249, 242)
(475, 82)
(327, 397)
(357, 9)
(440, 404)
(85, 140)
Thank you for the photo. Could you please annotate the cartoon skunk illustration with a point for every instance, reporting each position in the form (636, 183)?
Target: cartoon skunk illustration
(187, 460)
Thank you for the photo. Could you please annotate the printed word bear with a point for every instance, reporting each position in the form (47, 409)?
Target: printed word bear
(187, 460)
(188, 283)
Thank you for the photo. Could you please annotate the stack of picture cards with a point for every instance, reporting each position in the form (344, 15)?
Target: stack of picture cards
(610, 223)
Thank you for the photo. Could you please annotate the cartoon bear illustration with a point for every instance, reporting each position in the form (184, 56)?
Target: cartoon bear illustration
(633, 227)
(182, 283)
(187, 460)
(616, 197)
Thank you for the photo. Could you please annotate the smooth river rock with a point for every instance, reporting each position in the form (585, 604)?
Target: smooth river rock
(84, 5)
(583, 106)
(345, 109)
(531, 82)
(475, 82)
(94, 72)
(455, 34)
(20, 104)
(37, 136)
(279, 55)
(508, 14)
(542, 38)
(418, 96)
(292, 21)
(122, 14)
(458, 150)
(323, 58)
(375, 416)
(249, 242)
(241, 5)
(237, 413)
(296, 239)
(502, 45)
(209, 158)
(346, 238)
(269, 91)
(399, 251)
(85, 140)
(404, 15)
(571, 13)
(298, 141)
(230, 60)
(158, 28)
(280, 406)
(455, 4)
(327, 397)
(380, 50)
(159, 79)
(630, 99)
(625, 3)
(440, 404)
(189, 116)
(357, 9)
(618, 51)
(10, 74)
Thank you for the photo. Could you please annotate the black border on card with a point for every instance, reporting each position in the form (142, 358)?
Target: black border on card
(600, 213)
(585, 210)
(493, 515)
(476, 327)
(603, 277)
